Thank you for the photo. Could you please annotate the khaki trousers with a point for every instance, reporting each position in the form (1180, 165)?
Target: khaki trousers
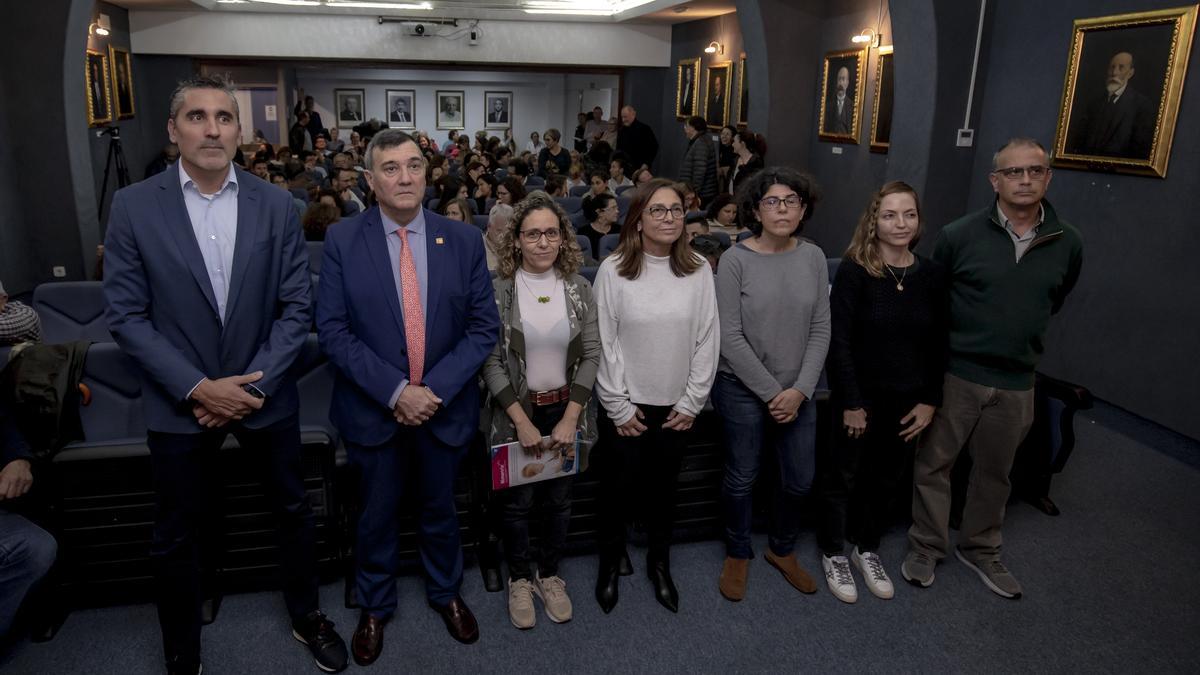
(990, 423)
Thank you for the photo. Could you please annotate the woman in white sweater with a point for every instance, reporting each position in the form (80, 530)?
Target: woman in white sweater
(660, 345)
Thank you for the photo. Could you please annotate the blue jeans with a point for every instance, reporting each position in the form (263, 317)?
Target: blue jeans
(26, 554)
(748, 429)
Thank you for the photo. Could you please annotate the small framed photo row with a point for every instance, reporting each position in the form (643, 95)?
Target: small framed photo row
(401, 106)
(498, 109)
(716, 93)
(450, 109)
(349, 104)
(687, 88)
(1122, 91)
(842, 95)
(99, 103)
(122, 82)
(881, 114)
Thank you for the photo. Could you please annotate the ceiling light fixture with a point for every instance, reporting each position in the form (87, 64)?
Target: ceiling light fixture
(581, 7)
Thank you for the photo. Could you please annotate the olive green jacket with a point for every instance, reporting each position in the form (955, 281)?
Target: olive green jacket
(504, 370)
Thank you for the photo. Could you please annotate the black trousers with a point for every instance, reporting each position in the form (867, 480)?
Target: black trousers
(553, 497)
(857, 479)
(638, 476)
(187, 533)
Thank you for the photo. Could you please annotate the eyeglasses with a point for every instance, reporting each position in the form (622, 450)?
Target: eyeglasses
(659, 212)
(534, 236)
(1036, 172)
(791, 201)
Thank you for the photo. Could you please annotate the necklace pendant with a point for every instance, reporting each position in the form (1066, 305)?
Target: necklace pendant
(543, 299)
(900, 287)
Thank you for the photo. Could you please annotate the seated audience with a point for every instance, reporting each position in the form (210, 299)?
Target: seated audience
(722, 215)
(317, 218)
(345, 183)
(691, 202)
(485, 189)
(535, 396)
(642, 176)
(259, 166)
(510, 191)
(575, 175)
(534, 146)
(709, 247)
(556, 185)
(493, 236)
(334, 199)
(599, 185)
(460, 209)
(773, 298)
(601, 214)
(616, 172)
(168, 156)
(18, 322)
(450, 188)
(695, 225)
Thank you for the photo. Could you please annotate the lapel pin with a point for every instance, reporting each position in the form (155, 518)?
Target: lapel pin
(438, 240)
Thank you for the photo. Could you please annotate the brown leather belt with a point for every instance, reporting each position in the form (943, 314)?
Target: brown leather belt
(541, 398)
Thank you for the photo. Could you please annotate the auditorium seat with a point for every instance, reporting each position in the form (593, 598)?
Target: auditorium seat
(430, 191)
(723, 238)
(608, 243)
(480, 221)
(624, 188)
(316, 251)
(585, 245)
(578, 220)
(744, 235)
(299, 193)
(71, 310)
(433, 205)
(622, 208)
(491, 201)
(500, 174)
(570, 204)
(534, 183)
(578, 191)
(833, 267)
(589, 273)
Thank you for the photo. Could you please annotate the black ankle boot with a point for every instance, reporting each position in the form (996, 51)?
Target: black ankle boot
(659, 572)
(626, 567)
(606, 583)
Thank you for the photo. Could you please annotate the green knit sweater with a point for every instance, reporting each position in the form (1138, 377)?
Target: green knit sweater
(999, 308)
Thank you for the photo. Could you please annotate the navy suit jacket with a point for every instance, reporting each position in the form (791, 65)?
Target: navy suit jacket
(361, 327)
(162, 311)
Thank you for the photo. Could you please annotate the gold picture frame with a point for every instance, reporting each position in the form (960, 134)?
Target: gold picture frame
(99, 102)
(743, 100)
(716, 98)
(687, 88)
(841, 123)
(1127, 125)
(881, 109)
(122, 81)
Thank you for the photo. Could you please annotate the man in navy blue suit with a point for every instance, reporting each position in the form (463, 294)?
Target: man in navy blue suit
(405, 311)
(207, 288)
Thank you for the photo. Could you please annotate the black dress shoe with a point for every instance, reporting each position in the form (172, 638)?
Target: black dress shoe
(459, 620)
(184, 667)
(327, 647)
(367, 644)
(606, 584)
(664, 588)
(626, 568)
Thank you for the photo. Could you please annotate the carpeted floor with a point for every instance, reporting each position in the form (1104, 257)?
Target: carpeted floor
(1109, 587)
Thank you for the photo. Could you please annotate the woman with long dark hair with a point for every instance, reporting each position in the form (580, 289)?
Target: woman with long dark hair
(658, 328)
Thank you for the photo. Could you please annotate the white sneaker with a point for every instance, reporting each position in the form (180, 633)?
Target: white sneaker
(872, 570)
(841, 582)
(520, 603)
(553, 592)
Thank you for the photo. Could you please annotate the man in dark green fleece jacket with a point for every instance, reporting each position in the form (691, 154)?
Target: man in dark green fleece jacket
(1010, 267)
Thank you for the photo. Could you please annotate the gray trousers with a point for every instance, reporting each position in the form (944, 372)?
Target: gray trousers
(991, 423)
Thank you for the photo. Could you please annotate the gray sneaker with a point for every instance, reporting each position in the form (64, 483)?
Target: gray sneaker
(520, 603)
(553, 592)
(994, 574)
(917, 569)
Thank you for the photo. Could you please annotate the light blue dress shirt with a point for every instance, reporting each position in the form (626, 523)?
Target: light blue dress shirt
(417, 242)
(214, 222)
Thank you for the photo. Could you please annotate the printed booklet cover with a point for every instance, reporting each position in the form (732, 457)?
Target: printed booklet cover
(513, 465)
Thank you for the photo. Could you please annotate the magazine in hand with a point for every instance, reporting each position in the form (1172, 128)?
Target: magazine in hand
(513, 465)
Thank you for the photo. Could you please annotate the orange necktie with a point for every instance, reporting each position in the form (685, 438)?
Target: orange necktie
(414, 316)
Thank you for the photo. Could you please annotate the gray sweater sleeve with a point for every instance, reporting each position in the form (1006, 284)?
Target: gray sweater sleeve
(816, 345)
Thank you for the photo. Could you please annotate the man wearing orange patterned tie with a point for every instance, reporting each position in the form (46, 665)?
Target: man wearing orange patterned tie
(405, 311)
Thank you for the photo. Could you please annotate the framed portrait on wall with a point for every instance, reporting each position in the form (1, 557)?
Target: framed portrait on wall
(349, 105)
(497, 109)
(881, 113)
(842, 95)
(450, 110)
(1125, 75)
(687, 88)
(99, 104)
(122, 82)
(743, 100)
(716, 93)
(401, 108)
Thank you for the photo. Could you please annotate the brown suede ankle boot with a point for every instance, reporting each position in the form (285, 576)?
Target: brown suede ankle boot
(792, 571)
(733, 578)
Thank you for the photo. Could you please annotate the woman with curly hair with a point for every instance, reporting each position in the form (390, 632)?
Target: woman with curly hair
(539, 380)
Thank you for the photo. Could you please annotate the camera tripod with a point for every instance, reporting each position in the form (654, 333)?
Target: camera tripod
(116, 155)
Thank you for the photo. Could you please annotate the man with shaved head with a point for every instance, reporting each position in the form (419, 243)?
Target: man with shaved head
(636, 139)
(1118, 121)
